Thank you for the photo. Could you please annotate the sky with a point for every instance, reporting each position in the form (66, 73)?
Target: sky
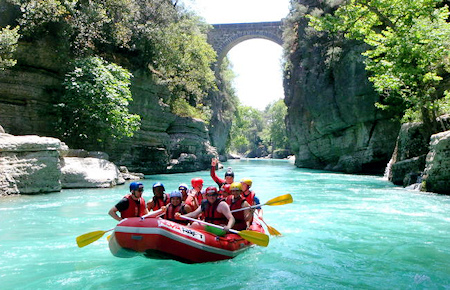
(257, 62)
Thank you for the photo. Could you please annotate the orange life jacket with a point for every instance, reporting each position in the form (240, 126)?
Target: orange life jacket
(160, 202)
(211, 214)
(249, 197)
(172, 210)
(133, 210)
(239, 217)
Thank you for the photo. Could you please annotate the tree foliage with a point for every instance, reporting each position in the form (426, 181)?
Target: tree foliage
(8, 45)
(153, 35)
(246, 129)
(95, 104)
(274, 132)
(253, 128)
(409, 54)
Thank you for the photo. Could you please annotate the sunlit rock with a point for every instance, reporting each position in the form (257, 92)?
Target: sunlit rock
(29, 164)
(436, 177)
(89, 172)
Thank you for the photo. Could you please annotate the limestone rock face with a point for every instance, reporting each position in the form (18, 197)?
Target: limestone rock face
(163, 137)
(29, 164)
(26, 92)
(408, 159)
(332, 121)
(190, 147)
(436, 177)
(89, 173)
(220, 124)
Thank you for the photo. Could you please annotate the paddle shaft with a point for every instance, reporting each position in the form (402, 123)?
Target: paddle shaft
(279, 200)
(248, 207)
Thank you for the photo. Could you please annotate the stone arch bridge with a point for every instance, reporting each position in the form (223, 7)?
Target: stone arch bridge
(225, 36)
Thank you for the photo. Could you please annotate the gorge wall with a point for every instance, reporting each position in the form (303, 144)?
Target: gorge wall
(332, 121)
(165, 143)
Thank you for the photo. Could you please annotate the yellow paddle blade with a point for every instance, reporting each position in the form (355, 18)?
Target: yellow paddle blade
(257, 238)
(89, 238)
(280, 200)
(273, 231)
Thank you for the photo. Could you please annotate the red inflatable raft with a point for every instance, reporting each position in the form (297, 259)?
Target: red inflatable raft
(160, 238)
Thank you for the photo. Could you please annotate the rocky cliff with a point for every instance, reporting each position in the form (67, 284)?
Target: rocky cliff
(332, 121)
(166, 143)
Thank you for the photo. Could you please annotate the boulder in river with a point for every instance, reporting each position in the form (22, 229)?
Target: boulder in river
(29, 164)
(436, 177)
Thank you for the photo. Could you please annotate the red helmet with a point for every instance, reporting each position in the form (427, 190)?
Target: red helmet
(211, 190)
(226, 188)
(197, 182)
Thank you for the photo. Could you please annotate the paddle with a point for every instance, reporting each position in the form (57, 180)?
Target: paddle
(259, 239)
(272, 230)
(279, 200)
(91, 237)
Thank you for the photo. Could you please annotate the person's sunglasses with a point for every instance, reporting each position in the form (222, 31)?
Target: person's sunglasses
(140, 189)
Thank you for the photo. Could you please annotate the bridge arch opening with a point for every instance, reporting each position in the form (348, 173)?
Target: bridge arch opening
(259, 76)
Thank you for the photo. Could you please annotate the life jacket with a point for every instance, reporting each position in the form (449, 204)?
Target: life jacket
(211, 214)
(239, 217)
(194, 200)
(160, 202)
(172, 210)
(133, 210)
(249, 197)
(199, 197)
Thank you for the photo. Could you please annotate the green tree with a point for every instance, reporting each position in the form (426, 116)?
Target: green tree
(274, 132)
(8, 45)
(94, 107)
(184, 62)
(245, 134)
(409, 54)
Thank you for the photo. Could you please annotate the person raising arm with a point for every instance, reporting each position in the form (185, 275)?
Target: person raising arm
(229, 175)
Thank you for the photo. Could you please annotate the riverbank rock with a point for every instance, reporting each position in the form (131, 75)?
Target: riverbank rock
(436, 176)
(29, 164)
(408, 159)
(281, 154)
(89, 173)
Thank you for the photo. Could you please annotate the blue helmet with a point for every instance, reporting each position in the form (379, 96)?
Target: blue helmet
(158, 184)
(175, 193)
(135, 185)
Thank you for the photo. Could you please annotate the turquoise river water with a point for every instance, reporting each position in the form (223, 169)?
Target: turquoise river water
(341, 232)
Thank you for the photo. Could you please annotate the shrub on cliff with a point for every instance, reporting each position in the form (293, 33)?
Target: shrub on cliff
(94, 106)
(8, 44)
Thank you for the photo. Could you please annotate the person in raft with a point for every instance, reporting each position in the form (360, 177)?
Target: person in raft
(214, 209)
(183, 188)
(243, 218)
(250, 195)
(159, 199)
(225, 191)
(131, 205)
(229, 175)
(176, 205)
(195, 197)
